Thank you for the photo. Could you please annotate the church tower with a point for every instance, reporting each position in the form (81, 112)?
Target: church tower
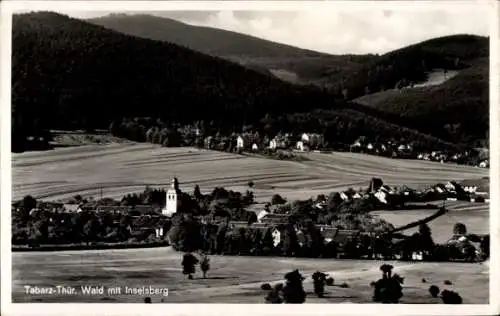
(171, 198)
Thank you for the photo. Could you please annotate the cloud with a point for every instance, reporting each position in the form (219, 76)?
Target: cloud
(340, 31)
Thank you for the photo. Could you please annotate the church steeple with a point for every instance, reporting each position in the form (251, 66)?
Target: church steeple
(172, 195)
(174, 184)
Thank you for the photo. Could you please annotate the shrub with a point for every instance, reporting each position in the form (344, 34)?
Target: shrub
(330, 281)
(319, 279)
(451, 297)
(424, 280)
(434, 290)
(447, 282)
(266, 287)
(293, 291)
(344, 285)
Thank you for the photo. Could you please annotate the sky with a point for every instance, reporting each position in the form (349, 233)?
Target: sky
(338, 31)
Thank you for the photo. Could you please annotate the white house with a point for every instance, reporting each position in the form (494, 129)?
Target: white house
(72, 208)
(401, 147)
(305, 138)
(273, 144)
(171, 199)
(159, 232)
(484, 164)
(344, 196)
(300, 145)
(470, 189)
(357, 196)
(255, 147)
(276, 237)
(261, 215)
(369, 146)
(381, 196)
(240, 143)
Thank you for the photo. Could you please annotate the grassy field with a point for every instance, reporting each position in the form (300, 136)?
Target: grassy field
(230, 280)
(129, 167)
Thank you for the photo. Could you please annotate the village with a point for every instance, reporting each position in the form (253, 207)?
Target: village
(338, 225)
(252, 142)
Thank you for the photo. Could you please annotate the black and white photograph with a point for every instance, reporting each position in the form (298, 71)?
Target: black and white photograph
(290, 153)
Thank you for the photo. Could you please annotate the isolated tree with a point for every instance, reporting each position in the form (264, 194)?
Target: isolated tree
(293, 291)
(197, 192)
(319, 279)
(388, 289)
(189, 262)
(459, 229)
(28, 203)
(451, 297)
(251, 184)
(277, 200)
(434, 290)
(205, 265)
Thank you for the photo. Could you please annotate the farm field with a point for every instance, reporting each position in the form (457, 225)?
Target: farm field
(127, 168)
(231, 279)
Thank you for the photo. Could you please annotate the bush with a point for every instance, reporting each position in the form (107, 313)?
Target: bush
(447, 282)
(319, 279)
(293, 291)
(344, 285)
(277, 200)
(434, 290)
(330, 281)
(266, 287)
(451, 297)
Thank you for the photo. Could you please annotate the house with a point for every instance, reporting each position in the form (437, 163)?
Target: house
(382, 196)
(300, 145)
(261, 215)
(276, 237)
(273, 144)
(369, 146)
(328, 233)
(209, 142)
(357, 196)
(484, 164)
(255, 146)
(470, 189)
(344, 196)
(305, 138)
(72, 208)
(240, 143)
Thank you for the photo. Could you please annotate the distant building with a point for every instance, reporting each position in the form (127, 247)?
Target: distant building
(172, 198)
(305, 138)
(273, 144)
(255, 147)
(240, 143)
(300, 145)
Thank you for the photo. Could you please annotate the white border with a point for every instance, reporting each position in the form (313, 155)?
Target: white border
(217, 309)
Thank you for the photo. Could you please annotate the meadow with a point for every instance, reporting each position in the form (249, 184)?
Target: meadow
(231, 279)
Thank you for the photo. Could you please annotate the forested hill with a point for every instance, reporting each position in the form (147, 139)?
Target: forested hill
(411, 64)
(69, 74)
(304, 66)
(457, 110)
